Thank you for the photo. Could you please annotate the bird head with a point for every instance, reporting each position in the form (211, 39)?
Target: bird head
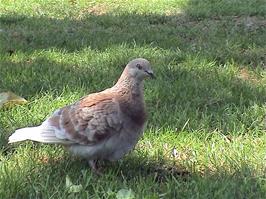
(140, 69)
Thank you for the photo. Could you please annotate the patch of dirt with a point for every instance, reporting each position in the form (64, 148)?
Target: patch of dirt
(162, 172)
(99, 9)
(250, 23)
(49, 160)
(245, 75)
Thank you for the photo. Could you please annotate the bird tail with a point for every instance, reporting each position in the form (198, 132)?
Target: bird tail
(38, 134)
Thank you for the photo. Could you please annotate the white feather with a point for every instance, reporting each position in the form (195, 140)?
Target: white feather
(43, 133)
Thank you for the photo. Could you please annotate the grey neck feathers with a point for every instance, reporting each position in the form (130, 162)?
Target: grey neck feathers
(131, 98)
(129, 85)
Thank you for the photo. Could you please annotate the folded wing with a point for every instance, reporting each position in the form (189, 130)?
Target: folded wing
(89, 121)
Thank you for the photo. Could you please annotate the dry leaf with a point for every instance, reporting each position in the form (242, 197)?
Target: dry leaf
(10, 99)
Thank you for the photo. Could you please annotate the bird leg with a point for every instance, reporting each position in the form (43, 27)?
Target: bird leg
(94, 166)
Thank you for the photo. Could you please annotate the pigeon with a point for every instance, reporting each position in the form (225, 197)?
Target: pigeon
(100, 126)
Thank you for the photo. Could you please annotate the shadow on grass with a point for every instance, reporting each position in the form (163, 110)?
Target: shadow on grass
(238, 38)
(142, 176)
(177, 181)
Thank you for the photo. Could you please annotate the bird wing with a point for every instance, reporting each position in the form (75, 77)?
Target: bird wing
(89, 121)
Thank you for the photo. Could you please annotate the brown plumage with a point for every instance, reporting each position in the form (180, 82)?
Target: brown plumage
(100, 126)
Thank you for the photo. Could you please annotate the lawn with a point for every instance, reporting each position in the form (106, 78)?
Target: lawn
(208, 101)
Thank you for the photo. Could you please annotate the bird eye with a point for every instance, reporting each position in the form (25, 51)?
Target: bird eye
(139, 66)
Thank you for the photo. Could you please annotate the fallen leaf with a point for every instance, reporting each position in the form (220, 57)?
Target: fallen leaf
(10, 99)
(75, 188)
(125, 194)
(71, 187)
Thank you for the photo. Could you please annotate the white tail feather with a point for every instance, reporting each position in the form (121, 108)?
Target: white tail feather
(38, 133)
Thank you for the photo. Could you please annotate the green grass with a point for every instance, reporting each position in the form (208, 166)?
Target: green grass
(208, 101)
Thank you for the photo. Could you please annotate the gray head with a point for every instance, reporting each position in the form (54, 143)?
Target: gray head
(139, 68)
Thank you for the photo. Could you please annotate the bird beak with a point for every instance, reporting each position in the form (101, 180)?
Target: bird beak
(150, 73)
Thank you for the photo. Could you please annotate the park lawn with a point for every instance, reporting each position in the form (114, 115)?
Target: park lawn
(208, 102)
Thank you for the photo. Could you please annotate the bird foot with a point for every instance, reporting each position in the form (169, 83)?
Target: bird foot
(94, 166)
